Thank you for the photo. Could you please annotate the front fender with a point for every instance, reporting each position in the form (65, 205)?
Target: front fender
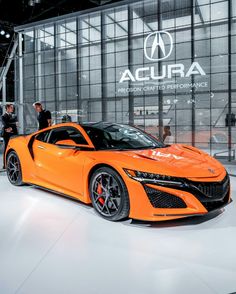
(91, 163)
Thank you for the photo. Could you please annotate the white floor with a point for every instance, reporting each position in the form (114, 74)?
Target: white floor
(49, 244)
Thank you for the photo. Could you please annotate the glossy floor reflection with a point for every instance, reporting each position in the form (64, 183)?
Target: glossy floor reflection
(49, 244)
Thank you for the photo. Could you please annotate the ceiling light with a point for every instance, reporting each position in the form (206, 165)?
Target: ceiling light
(37, 1)
(31, 3)
(8, 36)
(2, 32)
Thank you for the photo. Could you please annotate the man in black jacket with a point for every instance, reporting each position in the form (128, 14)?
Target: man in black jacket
(44, 116)
(9, 127)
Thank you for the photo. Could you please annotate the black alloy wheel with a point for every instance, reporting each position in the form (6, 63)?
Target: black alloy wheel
(13, 167)
(109, 194)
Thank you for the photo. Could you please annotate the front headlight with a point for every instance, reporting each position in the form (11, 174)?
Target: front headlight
(150, 178)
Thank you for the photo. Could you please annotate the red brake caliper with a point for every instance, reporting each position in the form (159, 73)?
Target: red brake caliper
(99, 191)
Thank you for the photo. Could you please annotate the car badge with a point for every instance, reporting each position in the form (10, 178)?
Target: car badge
(211, 170)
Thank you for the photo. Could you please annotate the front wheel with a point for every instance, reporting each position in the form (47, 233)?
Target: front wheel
(14, 172)
(109, 194)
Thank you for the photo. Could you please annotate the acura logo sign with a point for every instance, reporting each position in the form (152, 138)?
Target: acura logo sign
(158, 45)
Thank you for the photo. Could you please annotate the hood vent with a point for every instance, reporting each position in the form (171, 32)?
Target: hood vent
(189, 148)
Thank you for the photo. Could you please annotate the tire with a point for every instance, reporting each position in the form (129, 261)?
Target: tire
(109, 194)
(14, 171)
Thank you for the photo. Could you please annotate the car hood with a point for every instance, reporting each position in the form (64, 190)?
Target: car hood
(176, 160)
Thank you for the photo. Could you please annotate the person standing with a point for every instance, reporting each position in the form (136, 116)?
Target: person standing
(167, 132)
(9, 127)
(44, 116)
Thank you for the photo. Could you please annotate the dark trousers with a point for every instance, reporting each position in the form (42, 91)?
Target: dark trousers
(6, 139)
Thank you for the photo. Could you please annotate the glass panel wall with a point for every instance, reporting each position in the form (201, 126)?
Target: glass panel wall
(148, 63)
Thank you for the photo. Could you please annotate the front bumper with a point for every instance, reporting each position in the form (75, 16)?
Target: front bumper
(175, 202)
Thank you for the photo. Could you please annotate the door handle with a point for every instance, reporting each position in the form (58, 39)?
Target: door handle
(41, 147)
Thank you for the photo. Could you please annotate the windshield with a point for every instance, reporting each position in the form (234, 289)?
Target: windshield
(120, 137)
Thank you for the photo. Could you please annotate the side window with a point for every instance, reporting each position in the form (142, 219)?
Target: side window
(76, 136)
(69, 133)
(43, 137)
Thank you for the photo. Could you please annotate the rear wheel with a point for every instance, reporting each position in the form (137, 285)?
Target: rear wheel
(109, 194)
(13, 167)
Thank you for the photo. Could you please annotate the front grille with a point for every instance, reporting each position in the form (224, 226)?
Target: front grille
(214, 190)
(212, 195)
(160, 199)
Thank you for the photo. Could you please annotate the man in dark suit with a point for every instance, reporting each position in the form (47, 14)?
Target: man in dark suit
(9, 127)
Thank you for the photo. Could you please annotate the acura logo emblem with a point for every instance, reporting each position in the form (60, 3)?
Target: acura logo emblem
(158, 45)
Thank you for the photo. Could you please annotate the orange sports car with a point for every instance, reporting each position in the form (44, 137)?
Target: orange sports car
(121, 170)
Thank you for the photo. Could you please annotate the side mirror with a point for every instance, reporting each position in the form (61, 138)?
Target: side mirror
(67, 142)
(70, 144)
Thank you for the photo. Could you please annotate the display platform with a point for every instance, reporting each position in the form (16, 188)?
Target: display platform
(50, 244)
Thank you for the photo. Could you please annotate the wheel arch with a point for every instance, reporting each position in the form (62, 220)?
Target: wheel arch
(97, 166)
(8, 152)
(90, 173)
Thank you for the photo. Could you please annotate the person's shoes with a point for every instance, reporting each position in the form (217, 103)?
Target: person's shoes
(3, 169)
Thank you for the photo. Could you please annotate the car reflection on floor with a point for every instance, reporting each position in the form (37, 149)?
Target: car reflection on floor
(50, 244)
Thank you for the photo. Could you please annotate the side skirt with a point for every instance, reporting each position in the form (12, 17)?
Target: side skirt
(59, 194)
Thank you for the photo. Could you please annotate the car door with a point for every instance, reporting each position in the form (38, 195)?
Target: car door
(57, 163)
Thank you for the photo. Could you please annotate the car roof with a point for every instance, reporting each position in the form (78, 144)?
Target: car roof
(100, 125)
(96, 125)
